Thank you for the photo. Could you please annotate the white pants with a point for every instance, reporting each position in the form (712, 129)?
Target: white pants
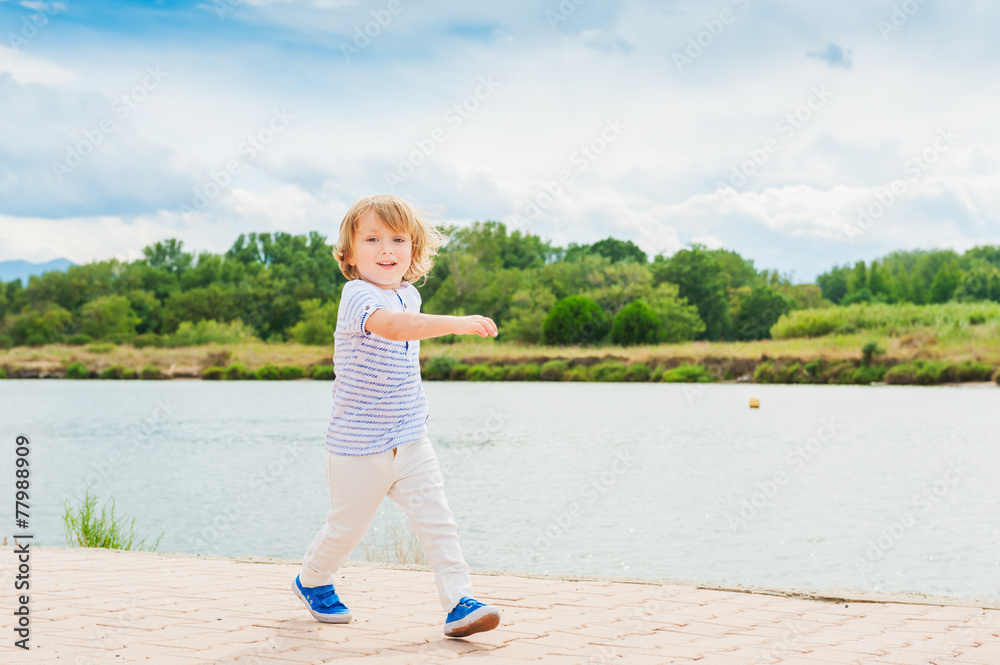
(410, 476)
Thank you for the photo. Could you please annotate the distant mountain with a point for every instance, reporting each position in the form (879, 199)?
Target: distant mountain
(11, 270)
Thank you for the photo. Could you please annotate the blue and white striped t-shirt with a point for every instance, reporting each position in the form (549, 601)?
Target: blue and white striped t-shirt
(378, 399)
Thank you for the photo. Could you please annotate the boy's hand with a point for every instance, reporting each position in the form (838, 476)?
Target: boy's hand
(475, 325)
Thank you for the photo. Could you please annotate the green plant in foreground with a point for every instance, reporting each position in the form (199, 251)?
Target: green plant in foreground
(85, 528)
(292, 372)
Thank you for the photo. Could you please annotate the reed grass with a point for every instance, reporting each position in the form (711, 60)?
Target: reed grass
(85, 528)
(392, 545)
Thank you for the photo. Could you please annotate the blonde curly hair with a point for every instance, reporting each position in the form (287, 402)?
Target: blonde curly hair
(400, 217)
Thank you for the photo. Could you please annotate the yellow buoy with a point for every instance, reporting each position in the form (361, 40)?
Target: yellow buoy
(754, 403)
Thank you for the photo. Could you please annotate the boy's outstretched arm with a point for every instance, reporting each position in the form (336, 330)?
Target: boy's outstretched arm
(409, 326)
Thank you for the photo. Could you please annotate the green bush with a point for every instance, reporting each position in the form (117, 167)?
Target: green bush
(575, 320)
(113, 372)
(84, 528)
(151, 372)
(612, 370)
(524, 372)
(972, 370)
(637, 323)
(637, 372)
(101, 348)
(458, 372)
(578, 373)
(292, 372)
(438, 368)
(687, 374)
(3, 373)
(934, 372)
(147, 339)
(881, 318)
(322, 373)
(868, 350)
(657, 374)
(236, 372)
(869, 374)
(206, 332)
(77, 371)
(770, 371)
(129, 373)
(214, 373)
(838, 373)
(79, 340)
(996, 376)
(269, 372)
(921, 373)
(484, 372)
(554, 370)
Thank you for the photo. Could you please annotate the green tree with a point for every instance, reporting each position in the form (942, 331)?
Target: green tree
(980, 283)
(858, 278)
(575, 320)
(945, 281)
(168, 255)
(757, 310)
(147, 308)
(680, 320)
(701, 279)
(45, 324)
(318, 323)
(612, 249)
(833, 284)
(108, 315)
(635, 324)
(877, 281)
(529, 308)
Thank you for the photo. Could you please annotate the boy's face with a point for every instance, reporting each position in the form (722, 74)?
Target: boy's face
(381, 256)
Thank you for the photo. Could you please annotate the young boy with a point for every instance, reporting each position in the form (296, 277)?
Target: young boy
(377, 442)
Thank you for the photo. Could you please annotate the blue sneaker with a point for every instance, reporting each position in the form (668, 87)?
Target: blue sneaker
(470, 616)
(322, 602)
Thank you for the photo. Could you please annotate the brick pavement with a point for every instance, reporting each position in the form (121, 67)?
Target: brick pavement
(101, 606)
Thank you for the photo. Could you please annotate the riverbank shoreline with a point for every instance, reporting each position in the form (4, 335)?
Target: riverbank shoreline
(750, 362)
(93, 606)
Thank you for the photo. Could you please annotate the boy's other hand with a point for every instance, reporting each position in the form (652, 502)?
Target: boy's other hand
(476, 325)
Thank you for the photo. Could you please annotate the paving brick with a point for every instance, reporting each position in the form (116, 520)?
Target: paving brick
(100, 606)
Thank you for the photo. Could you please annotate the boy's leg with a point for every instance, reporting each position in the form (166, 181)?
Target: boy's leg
(357, 486)
(419, 490)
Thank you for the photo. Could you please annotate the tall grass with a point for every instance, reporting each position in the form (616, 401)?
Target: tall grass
(393, 545)
(947, 318)
(85, 528)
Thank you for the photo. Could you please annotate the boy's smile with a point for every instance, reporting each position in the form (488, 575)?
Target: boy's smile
(381, 256)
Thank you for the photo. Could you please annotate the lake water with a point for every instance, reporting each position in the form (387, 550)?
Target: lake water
(877, 488)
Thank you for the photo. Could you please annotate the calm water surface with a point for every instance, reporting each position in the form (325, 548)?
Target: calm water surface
(877, 488)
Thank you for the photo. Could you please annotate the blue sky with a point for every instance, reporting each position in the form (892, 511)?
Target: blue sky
(764, 127)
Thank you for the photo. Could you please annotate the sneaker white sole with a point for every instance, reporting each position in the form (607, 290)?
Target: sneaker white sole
(478, 621)
(325, 618)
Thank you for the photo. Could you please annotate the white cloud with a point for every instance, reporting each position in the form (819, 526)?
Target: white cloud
(25, 68)
(656, 184)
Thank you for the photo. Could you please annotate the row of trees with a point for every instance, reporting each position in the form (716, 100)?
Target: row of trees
(917, 276)
(280, 287)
